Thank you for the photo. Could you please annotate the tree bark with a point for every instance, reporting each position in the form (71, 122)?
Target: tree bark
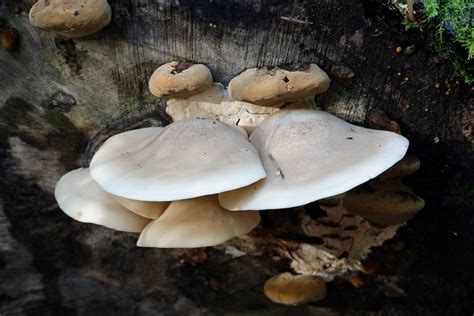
(59, 98)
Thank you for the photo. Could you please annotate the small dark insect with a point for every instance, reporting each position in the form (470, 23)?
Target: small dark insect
(9, 39)
(349, 138)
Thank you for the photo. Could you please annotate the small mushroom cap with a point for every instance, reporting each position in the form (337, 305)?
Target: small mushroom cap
(309, 155)
(198, 222)
(180, 80)
(273, 87)
(289, 289)
(146, 209)
(82, 199)
(71, 18)
(186, 159)
(408, 165)
(383, 208)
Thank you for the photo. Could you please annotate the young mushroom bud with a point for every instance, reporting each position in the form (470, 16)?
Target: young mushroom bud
(276, 86)
(180, 80)
(75, 18)
(198, 222)
(9, 39)
(309, 155)
(286, 288)
(79, 196)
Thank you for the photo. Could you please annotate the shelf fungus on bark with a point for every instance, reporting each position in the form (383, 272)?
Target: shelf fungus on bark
(309, 155)
(197, 222)
(180, 79)
(286, 288)
(200, 177)
(75, 18)
(276, 86)
(186, 159)
(79, 196)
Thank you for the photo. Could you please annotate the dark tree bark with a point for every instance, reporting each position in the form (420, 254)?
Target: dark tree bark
(59, 98)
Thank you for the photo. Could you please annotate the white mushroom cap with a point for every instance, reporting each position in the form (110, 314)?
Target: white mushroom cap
(188, 158)
(146, 209)
(198, 222)
(82, 199)
(309, 155)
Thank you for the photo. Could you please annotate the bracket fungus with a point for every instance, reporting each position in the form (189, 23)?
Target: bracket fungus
(180, 79)
(75, 18)
(309, 155)
(198, 222)
(186, 159)
(275, 86)
(82, 199)
(179, 185)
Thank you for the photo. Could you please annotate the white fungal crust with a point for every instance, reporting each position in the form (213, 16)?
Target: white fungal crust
(79, 196)
(75, 18)
(309, 155)
(186, 159)
(198, 222)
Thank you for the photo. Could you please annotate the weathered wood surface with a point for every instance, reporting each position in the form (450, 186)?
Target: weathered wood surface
(59, 98)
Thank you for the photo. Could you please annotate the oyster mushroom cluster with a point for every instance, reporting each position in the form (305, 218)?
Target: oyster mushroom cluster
(260, 144)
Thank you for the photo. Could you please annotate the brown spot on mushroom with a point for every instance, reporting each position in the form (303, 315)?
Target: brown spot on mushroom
(181, 66)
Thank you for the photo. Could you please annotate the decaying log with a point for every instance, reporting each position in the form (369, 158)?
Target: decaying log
(60, 98)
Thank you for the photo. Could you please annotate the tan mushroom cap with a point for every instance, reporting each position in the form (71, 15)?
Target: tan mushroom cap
(178, 79)
(79, 196)
(273, 87)
(309, 155)
(408, 165)
(151, 210)
(289, 289)
(186, 159)
(383, 208)
(75, 18)
(198, 222)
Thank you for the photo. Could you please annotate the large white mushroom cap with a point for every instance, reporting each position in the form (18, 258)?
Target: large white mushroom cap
(198, 222)
(309, 155)
(82, 199)
(186, 159)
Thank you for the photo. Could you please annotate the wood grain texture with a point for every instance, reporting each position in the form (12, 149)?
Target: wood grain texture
(59, 98)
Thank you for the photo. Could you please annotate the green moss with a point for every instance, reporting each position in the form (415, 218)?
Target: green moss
(453, 30)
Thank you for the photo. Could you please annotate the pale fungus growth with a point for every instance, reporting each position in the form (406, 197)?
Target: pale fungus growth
(198, 222)
(79, 196)
(151, 210)
(180, 80)
(276, 86)
(286, 288)
(75, 18)
(186, 159)
(182, 185)
(309, 155)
